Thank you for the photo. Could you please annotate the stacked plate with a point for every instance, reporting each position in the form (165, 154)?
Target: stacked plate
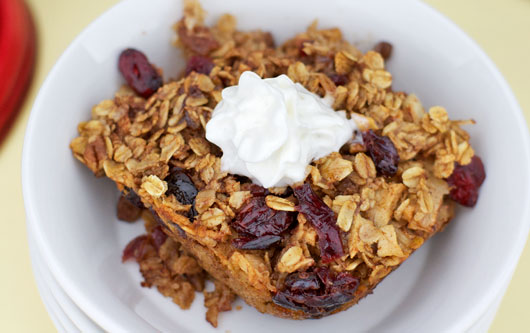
(454, 283)
(68, 317)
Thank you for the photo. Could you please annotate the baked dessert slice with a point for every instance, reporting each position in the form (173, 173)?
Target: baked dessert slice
(314, 247)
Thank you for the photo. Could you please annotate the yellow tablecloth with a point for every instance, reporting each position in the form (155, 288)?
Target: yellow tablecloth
(502, 28)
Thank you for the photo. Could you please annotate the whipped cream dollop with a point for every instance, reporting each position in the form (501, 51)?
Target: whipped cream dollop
(270, 129)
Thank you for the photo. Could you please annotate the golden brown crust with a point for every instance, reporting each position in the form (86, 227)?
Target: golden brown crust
(210, 261)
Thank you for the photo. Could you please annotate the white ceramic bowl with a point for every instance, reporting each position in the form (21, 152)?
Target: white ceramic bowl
(69, 317)
(446, 286)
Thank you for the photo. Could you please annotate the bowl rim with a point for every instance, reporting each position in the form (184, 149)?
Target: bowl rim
(66, 308)
(88, 305)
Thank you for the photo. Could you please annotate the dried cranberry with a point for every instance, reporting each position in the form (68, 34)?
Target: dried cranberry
(182, 187)
(259, 243)
(302, 282)
(383, 152)
(258, 191)
(158, 236)
(199, 39)
(323, 219)
(338, 79)
(256, 219)
(135, 249)
(316, 293)
(126, 211)
(139, 73)
(465, 182)
(384, 48)
(476, 168)
(199, 64)
(243, 179)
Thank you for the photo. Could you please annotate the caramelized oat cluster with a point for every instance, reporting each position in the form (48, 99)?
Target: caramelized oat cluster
(172, 270)
(301, 251)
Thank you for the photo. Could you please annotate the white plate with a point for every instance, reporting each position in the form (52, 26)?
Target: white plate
(445, 286)
(65, 308)
(56, 313)
(485, 321)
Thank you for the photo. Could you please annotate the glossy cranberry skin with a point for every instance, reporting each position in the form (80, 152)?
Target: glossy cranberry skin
(256, 219)
(199, 64)
(135, 249)
(476, 169)
(259, 243)
(323, 220)
(465, 182)
(259, 226)
(382, 151)
(258, 191)
(303, 282)
(139, 73)
(182, 187)
(317, 292)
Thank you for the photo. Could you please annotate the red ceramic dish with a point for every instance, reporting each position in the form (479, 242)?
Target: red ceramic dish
(17, 58)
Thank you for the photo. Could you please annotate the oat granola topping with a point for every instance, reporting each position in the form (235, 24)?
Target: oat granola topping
(357, 215)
